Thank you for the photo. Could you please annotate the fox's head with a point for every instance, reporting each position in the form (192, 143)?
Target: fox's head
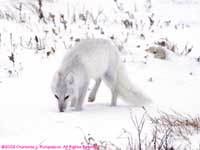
(62, 88)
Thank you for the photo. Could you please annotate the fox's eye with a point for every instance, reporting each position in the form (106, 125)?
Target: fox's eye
(56, 97)
(66, 97)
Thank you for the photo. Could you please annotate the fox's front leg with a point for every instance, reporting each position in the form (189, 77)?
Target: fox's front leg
(73, 102)
(81, 88)
(93, 93)
(81, 97)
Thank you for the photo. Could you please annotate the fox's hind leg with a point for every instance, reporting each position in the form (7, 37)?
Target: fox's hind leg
(111, 80)
(93, 93)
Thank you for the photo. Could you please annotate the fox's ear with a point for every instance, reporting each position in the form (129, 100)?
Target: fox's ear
(56, 78)
(69, 78)
(57, 75)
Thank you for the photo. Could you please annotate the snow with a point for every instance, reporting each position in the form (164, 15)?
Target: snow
(28, 110)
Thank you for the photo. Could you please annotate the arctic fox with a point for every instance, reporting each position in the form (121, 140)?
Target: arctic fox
(96, 59)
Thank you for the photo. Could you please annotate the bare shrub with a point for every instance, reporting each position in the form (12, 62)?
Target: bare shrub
(180, 125)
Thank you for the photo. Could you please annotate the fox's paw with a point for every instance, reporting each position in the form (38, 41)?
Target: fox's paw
(91, 99)
(113, 105)
(77, 109)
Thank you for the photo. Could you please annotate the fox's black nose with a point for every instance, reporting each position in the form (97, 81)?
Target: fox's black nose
(61, 107)
(61, 110)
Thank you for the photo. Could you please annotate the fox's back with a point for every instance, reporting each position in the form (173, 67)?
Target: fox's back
(97, 55)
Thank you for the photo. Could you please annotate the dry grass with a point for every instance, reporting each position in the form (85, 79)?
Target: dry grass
(181, 125)
(168, 131)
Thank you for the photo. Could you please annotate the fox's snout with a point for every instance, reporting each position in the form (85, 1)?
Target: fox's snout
(61, 108)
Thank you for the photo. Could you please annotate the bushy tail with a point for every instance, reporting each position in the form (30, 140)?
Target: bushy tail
(129, 92)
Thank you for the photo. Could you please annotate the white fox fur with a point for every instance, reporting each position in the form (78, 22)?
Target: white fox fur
(96, 59)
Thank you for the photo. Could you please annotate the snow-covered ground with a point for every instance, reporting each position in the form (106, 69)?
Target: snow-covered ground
(28, 110)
